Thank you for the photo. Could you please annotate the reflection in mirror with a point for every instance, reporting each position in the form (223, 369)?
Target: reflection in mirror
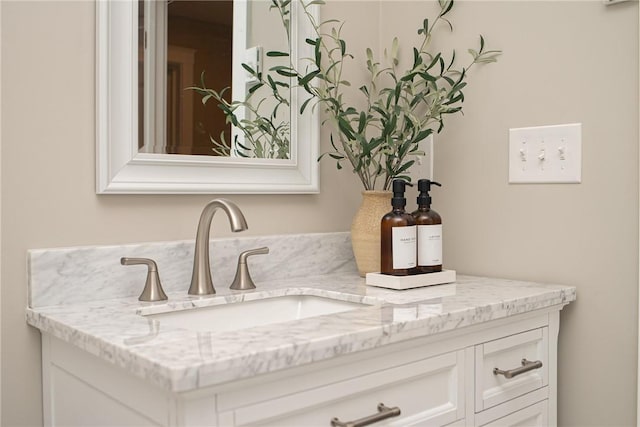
(190, 89)
(175, 39)
(125, 165)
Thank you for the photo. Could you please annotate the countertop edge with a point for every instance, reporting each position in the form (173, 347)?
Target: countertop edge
(303, 352)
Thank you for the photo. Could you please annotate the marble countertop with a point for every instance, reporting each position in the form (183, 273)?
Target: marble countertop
(180, 360)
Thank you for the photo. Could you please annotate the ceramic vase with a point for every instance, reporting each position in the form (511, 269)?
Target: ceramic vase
(365, 230)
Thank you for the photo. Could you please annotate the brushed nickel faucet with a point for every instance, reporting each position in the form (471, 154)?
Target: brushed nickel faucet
(201, 283)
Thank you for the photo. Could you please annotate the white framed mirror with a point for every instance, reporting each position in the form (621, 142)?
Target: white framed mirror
(121, 167)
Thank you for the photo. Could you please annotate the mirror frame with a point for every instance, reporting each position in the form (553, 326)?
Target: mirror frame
(121, 169)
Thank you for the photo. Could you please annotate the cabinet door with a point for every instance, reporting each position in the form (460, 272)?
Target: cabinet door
(508, 355)
(80, 389)
(428, 392)
(534, 415)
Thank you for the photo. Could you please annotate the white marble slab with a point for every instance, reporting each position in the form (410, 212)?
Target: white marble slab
(66, 284)
(80, 274)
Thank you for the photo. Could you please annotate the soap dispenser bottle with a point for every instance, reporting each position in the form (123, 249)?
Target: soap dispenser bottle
(429, 230)
(398, 236)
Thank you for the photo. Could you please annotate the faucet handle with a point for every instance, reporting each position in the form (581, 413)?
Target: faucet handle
(243, 280)
(152, 287)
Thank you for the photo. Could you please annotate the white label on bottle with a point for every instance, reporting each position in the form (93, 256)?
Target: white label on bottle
(429, 245)
(404, 246)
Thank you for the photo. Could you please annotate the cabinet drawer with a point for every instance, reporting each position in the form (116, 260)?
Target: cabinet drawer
(531, 416)
(428, 392)
(509, 354)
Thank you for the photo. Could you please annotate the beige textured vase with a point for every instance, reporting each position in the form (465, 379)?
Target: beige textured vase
(365, 230)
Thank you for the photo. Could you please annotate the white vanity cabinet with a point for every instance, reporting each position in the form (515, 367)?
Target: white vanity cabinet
(435, 380)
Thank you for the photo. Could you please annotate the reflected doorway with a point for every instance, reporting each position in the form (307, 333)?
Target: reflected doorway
(178, 39)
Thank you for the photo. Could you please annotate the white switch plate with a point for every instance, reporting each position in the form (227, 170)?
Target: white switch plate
(546, 154)
(253, 58)
(423, 166)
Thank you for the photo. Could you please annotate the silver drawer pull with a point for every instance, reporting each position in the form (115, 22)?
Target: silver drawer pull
(384, 412)
(526, 367)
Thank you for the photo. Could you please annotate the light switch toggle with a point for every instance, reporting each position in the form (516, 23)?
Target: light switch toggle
(541, 155)
(562, 153)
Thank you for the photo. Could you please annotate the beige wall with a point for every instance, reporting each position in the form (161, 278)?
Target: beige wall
(564, 62)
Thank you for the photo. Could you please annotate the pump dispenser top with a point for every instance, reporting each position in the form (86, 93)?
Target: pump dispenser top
(398, 200)
(424, 186)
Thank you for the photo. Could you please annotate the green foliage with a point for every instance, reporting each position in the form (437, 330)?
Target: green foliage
(265, 134)
(404, 107)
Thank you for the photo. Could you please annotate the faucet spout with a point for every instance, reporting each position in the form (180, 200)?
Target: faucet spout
(201, 283)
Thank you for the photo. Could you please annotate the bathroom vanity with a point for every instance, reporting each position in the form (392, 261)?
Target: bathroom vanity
(477, 352)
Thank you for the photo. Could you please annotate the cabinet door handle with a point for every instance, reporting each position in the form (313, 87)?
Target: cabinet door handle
(527, 366)
(384, 412)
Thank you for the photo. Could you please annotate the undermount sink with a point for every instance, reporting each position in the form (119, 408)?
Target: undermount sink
(248, 314)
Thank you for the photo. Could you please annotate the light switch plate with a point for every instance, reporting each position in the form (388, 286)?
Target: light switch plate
(423, 166)
(546, 154)
(253, 58)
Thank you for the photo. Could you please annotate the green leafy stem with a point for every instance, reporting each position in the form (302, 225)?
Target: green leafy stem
(403, 107)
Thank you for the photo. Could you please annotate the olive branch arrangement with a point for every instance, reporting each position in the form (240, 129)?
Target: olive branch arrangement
(403, 106)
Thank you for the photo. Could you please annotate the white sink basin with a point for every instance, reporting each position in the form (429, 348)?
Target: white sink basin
(247, 314)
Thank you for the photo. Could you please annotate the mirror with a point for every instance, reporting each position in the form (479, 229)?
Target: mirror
(134, 154)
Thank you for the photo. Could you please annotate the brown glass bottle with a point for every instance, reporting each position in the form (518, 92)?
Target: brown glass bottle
(429, 231)
(398, 236)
